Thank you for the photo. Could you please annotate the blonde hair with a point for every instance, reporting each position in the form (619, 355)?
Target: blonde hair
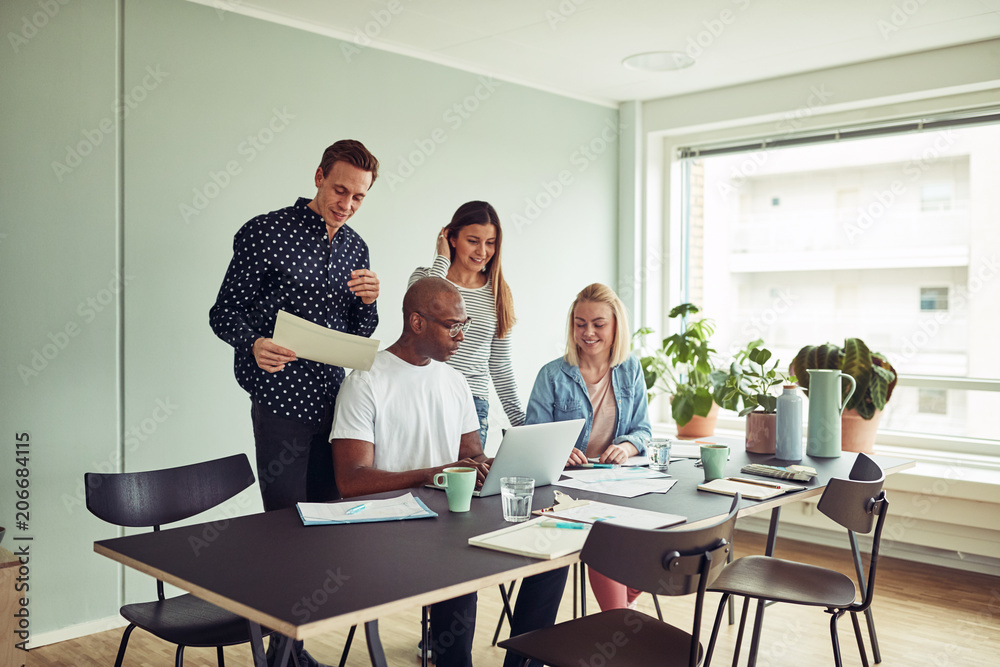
(482, 213)
(598, 293)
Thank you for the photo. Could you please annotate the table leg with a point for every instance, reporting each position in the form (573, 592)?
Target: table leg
(583, 589)
(869, 618)
(375, 652)
(758, 621)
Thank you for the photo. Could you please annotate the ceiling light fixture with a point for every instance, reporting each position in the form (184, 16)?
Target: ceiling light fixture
(658, 61)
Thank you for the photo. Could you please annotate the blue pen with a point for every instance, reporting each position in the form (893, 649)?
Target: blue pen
(598, 465)
(355, 509)
(563, 524)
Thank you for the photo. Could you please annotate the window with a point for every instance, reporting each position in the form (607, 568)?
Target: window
(933, 298)
(861, 226)
(932, 401)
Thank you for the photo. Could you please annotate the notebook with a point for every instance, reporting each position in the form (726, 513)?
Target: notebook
(539, 451)
(533, 539)
(750, 490)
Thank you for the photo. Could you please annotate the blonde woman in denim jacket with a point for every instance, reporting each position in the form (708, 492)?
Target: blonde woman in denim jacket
(599, 380)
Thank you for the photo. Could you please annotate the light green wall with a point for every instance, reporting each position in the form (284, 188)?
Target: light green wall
(200, 81)
(59, 249)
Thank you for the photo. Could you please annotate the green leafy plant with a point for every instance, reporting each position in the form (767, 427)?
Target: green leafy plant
(750, 381)
(682, 366)
(875, 376)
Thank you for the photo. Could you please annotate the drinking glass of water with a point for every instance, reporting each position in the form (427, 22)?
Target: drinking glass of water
(515, 494)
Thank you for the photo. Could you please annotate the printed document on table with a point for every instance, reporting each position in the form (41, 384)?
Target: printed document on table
(309, 340)
(622, 482)
(623, 516)
(405, 506)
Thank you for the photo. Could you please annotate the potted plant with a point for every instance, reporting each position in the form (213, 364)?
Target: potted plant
(875, 378)
(750, 382)
(682, 367)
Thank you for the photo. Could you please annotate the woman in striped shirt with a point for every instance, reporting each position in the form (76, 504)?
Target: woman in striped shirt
(468, 255)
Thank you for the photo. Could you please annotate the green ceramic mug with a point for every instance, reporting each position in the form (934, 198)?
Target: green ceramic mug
(459, 483)
(713, 460)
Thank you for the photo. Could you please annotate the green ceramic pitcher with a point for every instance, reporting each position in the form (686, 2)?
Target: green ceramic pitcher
(825, 410)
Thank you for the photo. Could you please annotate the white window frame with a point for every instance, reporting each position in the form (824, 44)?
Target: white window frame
(667, 175)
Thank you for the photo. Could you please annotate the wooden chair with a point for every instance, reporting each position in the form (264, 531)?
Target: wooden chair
(150, 499)
(663, 562)
(854, 503)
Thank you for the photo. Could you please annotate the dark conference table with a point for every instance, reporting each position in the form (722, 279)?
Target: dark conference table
(304, 581)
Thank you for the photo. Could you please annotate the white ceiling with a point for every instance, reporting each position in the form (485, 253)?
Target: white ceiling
(575, 47)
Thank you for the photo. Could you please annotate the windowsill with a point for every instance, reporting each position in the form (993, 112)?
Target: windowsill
(941, 474)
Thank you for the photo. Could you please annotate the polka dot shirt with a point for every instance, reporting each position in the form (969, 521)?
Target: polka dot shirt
(283, 261)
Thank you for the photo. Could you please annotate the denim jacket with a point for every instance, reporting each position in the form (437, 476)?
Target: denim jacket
(561, 394)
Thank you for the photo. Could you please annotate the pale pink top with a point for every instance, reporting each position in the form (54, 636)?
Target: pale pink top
(602, 399)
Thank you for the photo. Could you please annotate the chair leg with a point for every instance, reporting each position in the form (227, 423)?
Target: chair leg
(124, 645)
(222, 658)
(715, 628)
(861, 640)
(656, 603)
(836, 641)
(739, 634)
(347, 646)
(583, 589)
(179, 658)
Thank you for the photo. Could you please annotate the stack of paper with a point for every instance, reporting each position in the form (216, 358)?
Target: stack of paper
(390, 509)
(622, 482)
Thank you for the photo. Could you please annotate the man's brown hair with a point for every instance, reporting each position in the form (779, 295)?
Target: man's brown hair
(351, 152)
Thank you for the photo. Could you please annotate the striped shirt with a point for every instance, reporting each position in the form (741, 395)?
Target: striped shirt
(481, 355)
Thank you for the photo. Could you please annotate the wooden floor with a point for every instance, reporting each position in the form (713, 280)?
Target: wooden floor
(926, 616)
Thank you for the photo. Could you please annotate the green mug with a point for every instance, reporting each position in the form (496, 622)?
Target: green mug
(713, 460)
(459, 483)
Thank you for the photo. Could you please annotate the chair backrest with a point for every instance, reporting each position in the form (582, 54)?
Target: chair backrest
(849, 502)
(662, 562)
(156, 497)
(855, 503)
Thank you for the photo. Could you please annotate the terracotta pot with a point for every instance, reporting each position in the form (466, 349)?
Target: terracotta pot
(761, 432)
(699, 427)
(857, 434)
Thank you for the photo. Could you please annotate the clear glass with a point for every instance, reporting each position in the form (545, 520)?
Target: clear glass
(658, 451)
(515, 495)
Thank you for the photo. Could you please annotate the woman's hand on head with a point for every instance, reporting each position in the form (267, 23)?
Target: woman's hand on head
(442, 243)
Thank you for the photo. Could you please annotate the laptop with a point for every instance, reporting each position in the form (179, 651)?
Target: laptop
(539, 451)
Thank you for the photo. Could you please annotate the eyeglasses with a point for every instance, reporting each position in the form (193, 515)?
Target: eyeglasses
(454, 327)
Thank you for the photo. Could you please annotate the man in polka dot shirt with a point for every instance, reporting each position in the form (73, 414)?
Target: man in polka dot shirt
(305, 260)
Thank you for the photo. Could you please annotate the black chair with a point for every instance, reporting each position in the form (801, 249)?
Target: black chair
(150, 499)
(663, 562)
(853, 503)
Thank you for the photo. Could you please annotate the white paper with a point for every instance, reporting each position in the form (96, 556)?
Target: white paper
(614, 474)
(391, 508)
(623, 516)
(309, 340)
(623, 488)
(632, 462)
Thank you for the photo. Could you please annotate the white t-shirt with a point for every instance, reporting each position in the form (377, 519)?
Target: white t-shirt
(415, 415)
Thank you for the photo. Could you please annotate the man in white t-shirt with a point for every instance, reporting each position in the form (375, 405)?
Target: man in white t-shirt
(408, 418)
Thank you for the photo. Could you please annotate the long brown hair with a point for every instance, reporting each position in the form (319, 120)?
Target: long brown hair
(481, 213)
(598, 293)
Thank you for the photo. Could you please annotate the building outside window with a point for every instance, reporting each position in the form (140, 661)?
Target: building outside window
(862, 227)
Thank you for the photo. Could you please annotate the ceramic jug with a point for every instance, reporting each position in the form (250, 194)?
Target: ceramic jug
(825, 410)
